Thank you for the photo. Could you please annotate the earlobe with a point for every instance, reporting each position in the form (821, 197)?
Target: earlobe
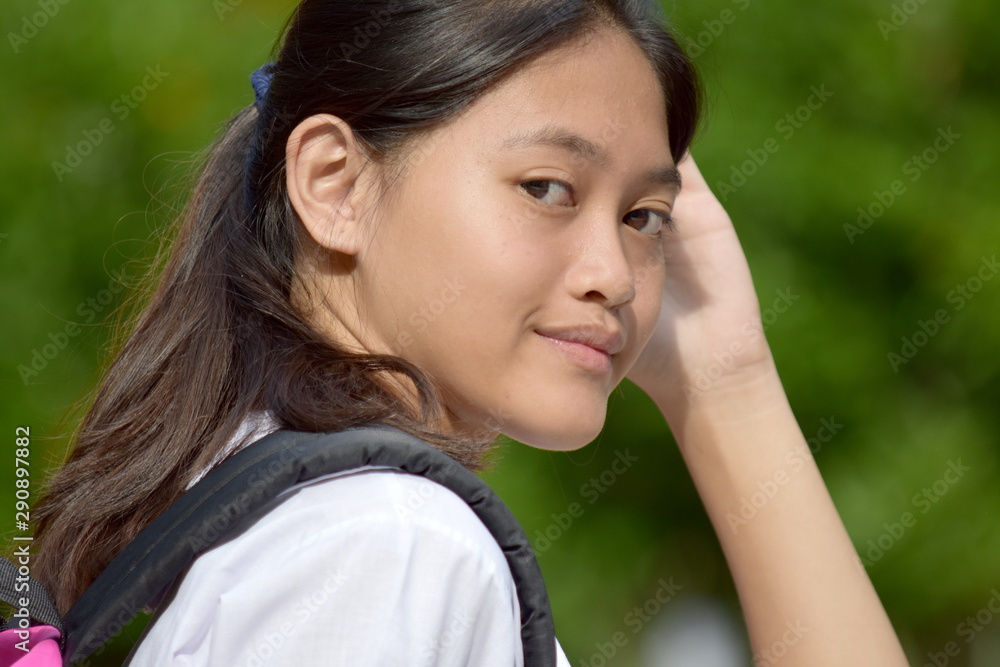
(322, 165)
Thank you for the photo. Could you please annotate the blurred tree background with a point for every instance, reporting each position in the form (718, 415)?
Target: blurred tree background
(854, 144)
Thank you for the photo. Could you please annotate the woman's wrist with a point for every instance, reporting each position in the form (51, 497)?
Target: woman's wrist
(732, 396)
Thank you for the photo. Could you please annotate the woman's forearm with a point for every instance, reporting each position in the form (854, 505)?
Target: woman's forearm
(805, 595)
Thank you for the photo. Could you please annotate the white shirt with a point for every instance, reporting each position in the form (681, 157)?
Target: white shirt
(375, 568)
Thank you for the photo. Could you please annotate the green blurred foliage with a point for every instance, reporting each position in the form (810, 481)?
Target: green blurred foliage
(65, 236)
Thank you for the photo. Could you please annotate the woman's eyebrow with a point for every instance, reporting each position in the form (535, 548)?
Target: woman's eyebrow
(583, 148)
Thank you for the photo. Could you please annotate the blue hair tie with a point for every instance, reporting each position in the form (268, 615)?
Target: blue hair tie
(261, 80)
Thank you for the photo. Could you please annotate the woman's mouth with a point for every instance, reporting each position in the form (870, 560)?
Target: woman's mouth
(584, 355)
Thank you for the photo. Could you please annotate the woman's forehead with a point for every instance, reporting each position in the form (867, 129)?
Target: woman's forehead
(598, 104)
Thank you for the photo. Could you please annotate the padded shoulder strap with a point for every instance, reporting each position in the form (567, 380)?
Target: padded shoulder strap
(248, 481)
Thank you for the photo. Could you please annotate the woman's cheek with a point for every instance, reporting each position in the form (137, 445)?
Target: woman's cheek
(647, 308)
(650, 279)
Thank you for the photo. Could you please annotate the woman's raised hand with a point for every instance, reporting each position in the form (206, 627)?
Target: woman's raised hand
(710, 371)
(709, 333)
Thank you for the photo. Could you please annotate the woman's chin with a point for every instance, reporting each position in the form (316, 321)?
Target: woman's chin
(560, 433)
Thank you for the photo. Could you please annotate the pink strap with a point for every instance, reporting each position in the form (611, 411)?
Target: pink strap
(41, 642)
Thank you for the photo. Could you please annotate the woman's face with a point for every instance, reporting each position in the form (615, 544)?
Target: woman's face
(519, 262)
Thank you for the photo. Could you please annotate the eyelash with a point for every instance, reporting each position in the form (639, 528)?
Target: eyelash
(668, 221)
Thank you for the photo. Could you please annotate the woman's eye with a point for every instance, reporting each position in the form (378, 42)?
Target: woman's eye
(651, 223)
(646, 220)
(548, 191)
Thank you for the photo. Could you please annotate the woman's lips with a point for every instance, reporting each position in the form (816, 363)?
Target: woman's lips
(583, 355)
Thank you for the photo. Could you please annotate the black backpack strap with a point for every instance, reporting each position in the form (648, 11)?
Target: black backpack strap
(17, 586)
(248, 481)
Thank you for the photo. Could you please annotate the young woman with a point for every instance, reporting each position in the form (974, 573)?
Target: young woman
(460, 218)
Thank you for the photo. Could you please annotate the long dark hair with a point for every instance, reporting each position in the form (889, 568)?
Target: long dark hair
(219, 338)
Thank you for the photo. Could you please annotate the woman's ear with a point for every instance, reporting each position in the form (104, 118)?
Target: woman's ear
(322, 165)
